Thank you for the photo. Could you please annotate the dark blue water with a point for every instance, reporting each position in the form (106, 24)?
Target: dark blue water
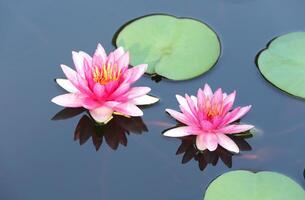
(39, 158)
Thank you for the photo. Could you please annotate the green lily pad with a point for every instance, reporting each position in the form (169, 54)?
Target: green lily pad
(175, 48)
(283, 63)
(245, 185)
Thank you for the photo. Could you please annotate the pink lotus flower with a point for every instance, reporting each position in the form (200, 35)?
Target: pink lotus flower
(208, 116)
(103, 85)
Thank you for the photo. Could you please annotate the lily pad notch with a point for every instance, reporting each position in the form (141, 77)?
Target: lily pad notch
(176, 48)
(282, 63)
(265, 185)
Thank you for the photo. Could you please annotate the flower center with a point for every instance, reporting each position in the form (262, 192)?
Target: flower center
(106, 74)
(213, 110)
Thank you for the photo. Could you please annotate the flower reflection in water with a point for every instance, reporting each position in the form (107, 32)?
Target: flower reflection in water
(189, 151)
(113, 133)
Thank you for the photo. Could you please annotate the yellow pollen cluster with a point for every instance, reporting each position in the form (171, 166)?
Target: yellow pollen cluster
(106, 74)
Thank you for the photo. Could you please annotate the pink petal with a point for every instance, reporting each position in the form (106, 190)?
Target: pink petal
(70, 74)
(137, 92)
(231, 129)
(178, 116)
(191, 105)
(227, 143)
(211, 141)
(200, 144)
(111, 86)
(88, 73)
(123, 61)
(67, 85)
(122, 89)
(134, 73)
(90, 103)
(206, 125)
(86, 56)
(228, 102)
(177, 132)
(145, 100)
(128, 109)
(78, 62)
(217, 98)
(99, 57)
(70, 100)
(110, 59)
(99, 90)
(239, 114)
(83, 86)
(118, 53)
(184, 106)
(101, 114)
(207, 91)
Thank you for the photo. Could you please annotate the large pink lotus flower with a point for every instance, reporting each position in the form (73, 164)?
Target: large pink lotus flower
(209, 118)
(103, 85)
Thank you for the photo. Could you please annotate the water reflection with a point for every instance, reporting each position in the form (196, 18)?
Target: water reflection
(190, 151)
(113, 133)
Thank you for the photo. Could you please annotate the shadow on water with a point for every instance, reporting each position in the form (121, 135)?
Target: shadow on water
(189, 151)
(114, 133)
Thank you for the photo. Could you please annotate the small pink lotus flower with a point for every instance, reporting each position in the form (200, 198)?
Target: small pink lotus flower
(208, 116)
(103, 85)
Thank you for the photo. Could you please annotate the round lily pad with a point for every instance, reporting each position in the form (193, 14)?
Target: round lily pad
(175, 48)
(283, 63)
(245, 185)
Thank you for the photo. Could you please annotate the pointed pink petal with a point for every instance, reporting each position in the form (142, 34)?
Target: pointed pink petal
(110, 59)
(99, 90)
(86, 56)
(231, 129)
(67, 85)
(123, 61)
(206, 125)
(88, 73)
(178, 116)
(145, 100)
(78, 62)
(111, 86)
(228, 102)
(239, 114)
(191, 105)
(99, 57)
(137, 92)
(227, 143)
(83, 86)
(128, 109)
(90, 103)
(185, 107)
(200, 144)
(207, 91)
(70, 100)
(177, 132)
(134, 73)
(101, 114)
(217, 98)
(70, 74)
(211, 141)
(118, 53)
(121, 90)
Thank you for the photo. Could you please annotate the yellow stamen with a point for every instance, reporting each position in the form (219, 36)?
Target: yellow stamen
(106, 74)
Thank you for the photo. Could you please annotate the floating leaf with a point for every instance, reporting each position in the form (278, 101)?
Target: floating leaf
(176, 48)
(283, 63)
(241, 185)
